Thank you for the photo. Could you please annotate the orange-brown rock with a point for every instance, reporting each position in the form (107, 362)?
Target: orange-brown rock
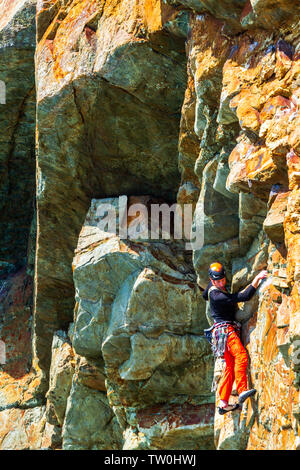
(260, 92)
(273, 223)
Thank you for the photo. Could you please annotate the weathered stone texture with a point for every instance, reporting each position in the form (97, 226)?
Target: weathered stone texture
(17, 114)
(117, 77)
(138, 313)
(18, 385)
(257, 88)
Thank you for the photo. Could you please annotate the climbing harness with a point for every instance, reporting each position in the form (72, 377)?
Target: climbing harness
(217, 336)
(218, 333)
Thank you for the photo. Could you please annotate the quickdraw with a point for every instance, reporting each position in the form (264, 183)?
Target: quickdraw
(217, 336)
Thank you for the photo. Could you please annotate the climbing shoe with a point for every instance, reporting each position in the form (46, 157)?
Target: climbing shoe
(228, 408)
(244, 395)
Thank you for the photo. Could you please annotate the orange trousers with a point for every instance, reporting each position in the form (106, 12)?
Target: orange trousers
(236, 364)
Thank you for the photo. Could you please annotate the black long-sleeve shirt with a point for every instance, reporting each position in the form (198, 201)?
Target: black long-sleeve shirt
(223, 305)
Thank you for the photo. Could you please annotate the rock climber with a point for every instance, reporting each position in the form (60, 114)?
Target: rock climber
(224, 334)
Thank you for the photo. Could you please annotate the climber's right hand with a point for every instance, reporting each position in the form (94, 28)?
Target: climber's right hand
(262, 275)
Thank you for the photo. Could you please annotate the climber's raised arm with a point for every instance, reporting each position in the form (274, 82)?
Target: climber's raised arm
(262, 275)
(247, 293)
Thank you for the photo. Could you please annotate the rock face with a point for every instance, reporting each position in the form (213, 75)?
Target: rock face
(20, 406)
(138, 314)
(17, 110)
(256, 75)
(152, 102)
(113, 72)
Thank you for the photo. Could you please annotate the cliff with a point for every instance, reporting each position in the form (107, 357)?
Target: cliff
(146, 102)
